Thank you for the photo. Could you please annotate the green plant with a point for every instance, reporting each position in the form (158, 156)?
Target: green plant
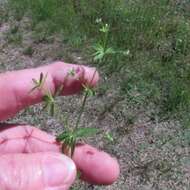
(70, 137)
(103, 51)
(72, 134)
(39, 83)
(101, 48)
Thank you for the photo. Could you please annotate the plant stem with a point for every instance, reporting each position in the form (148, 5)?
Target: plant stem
(81, 110)
(105, 37)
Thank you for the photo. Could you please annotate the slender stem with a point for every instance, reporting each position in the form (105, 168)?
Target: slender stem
(105, 40)
(81, 110)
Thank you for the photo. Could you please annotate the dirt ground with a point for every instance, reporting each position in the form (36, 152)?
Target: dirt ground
(152, 155)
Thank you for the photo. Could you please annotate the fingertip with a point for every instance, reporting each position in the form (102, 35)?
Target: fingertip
(59, 170)
(73, 77)
(47, 171)
(91, 76)
(97, 167)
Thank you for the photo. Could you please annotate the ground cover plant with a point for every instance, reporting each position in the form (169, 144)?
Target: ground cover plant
(147, 40)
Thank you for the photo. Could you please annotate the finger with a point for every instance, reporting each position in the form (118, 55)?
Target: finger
(25, 139)
(15, 87)
(96, 167)
(42, 171)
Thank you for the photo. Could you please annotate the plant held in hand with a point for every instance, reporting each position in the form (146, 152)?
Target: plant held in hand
(72, 134)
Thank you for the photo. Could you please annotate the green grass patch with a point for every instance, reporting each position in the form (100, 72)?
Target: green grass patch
(147, 42)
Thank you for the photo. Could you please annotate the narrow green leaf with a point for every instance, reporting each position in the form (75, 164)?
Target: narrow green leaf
(85, 132)
(110, 51)
(89, 91)
(109, 137)
(63, 136)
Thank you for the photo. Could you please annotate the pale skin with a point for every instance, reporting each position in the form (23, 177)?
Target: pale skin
(32, 159)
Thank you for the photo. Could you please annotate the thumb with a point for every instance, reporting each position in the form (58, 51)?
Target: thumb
(44, 171)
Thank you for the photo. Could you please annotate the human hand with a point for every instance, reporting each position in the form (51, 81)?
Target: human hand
(31, 158)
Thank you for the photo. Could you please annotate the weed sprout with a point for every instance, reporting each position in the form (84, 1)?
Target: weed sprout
(102, 49)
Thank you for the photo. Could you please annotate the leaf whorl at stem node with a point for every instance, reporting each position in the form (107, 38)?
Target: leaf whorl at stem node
(70, 138)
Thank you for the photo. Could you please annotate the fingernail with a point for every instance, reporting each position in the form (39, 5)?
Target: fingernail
(58, 171)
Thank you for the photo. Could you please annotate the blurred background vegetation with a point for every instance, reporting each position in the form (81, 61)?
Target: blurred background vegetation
(145, 43)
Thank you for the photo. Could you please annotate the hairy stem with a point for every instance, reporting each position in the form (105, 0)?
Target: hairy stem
(81, 110)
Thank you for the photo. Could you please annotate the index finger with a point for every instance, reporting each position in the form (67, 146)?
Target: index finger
(15, 87)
